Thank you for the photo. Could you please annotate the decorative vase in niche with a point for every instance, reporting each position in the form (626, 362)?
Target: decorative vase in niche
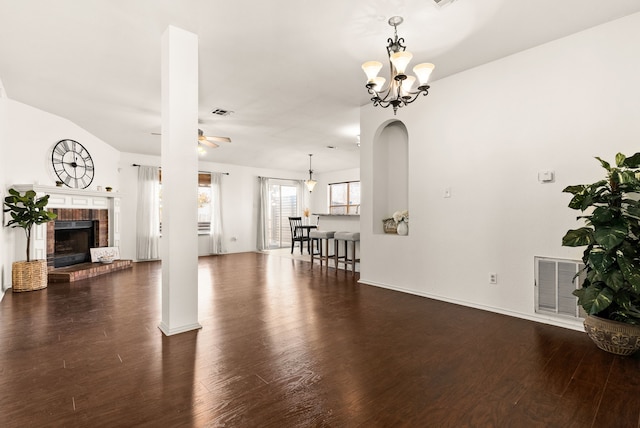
(403, 228)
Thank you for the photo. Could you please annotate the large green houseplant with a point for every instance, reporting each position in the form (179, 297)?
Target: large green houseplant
(611, 286)
(26, 211)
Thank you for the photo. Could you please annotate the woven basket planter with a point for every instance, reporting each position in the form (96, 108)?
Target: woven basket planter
(612, 336)
(29, 276)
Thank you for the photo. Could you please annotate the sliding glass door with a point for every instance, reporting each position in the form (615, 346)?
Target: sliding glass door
(283, 204)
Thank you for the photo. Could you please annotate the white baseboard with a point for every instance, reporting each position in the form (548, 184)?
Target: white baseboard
(565, 323)
(182, 329)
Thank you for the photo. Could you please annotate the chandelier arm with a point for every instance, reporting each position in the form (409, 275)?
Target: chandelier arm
(424, 90)
(390, 44)
(409, 99)
(383, 105)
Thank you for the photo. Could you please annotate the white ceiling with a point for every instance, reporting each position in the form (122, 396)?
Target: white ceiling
(288, 69)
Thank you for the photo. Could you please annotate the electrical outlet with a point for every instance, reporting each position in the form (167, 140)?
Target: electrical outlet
(493, 278)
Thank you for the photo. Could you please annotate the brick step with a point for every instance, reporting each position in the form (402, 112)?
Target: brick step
(86, 270)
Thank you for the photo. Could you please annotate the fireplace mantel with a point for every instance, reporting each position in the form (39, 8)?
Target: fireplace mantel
(54, 190)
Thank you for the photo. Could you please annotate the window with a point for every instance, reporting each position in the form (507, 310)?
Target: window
(344, 198)
(204, 202)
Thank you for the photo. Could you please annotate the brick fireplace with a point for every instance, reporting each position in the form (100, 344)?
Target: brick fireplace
(71, 235)
(94, 218)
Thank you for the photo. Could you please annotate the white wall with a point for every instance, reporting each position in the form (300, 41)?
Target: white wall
(486, 133)
(29, 135)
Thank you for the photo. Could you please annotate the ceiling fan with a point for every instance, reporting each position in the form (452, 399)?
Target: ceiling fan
(211, 140)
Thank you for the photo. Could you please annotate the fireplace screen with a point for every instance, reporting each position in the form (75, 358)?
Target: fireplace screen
(73, 239)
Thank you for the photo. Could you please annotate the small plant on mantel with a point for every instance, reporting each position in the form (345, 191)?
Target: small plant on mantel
(26, 211)
(611, 286)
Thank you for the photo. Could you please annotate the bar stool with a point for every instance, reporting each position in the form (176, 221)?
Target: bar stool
(318, 236)
(346, 237)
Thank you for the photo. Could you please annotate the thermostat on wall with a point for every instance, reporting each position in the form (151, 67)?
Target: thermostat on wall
(546, 176)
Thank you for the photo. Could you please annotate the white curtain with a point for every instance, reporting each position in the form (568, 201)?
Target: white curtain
(263, 214)
(148, 213)
(215, 231)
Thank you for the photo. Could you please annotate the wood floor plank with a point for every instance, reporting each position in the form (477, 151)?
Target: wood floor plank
(285, 344)
(619, 407)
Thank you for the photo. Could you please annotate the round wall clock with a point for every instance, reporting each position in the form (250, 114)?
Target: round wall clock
(72, 164)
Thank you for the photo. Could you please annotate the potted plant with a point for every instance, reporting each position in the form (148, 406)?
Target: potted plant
(610, 292)
(27, 210)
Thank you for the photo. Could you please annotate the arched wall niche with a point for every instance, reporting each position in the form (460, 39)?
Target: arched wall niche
(390, 172)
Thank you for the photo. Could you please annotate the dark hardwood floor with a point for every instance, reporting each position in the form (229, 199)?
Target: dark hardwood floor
(285, 345)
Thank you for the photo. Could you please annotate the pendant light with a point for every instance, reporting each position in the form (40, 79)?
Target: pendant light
(311, 183)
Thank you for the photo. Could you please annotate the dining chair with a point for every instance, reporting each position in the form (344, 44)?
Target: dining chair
(298, 233)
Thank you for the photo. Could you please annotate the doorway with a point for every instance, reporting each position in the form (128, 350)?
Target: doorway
(283, 204)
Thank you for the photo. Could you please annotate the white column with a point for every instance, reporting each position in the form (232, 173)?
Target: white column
(179, 243)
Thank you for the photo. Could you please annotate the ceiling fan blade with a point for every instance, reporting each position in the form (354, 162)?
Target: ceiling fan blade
(219, 139)
(208, 143)
(206, 140)
(202, 137)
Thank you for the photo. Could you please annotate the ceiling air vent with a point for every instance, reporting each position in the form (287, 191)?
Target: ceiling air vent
(441, 3)
(221, 112)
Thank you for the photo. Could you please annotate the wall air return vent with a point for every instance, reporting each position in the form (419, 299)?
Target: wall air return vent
(555, 281)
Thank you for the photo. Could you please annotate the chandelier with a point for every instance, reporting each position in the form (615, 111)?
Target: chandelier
(311, 183)
(400, 91)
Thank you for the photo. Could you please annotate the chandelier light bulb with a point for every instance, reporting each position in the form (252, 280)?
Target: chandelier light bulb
(407, 84)
(400, 60)
(379, 83)
(423, 71)
(371, 69)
